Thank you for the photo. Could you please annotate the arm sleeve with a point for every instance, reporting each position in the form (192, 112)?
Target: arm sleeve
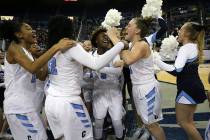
(179, 63)
(80, 55)
(157, 35)
(163, 28)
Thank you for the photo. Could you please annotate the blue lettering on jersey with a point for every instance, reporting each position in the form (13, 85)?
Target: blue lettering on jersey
(52, 66)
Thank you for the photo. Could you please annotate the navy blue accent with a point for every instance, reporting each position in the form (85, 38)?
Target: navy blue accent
(151, 101)
(21, 117)
(150, 113)
(52, 66)
(192, 59)
(77, 106)
(151, 93)
(168, 110)
(27, 125)
(103, 76)
(84, 121)
(91, 74)
(32, 131)
(79, 114)
(33, 79)
(150, 108)
(88, 125)
(186, 96)
(179, 69)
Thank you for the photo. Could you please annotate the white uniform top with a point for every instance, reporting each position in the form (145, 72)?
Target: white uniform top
(39, 98)
(20, 88)
(142, 71)
(186, 53)
(66, 69)
(108, 76)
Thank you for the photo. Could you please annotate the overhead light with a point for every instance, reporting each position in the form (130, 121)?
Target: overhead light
(70, 17)
(7, 17)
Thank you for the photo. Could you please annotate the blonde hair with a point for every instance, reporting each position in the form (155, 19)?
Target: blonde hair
(197, 34)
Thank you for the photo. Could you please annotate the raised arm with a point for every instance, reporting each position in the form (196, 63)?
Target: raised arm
(157, 35)
(80, 55)
(17, 54)
(180, 62)
(138, 51)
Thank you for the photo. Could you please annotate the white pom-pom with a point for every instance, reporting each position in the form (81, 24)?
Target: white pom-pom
(105, 25)
(112, 18)
(168, 50)
(152, 9)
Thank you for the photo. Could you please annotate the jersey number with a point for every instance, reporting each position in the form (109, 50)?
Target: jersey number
(52, 66)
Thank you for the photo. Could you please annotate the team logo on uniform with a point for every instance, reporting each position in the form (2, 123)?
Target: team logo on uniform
(83, 134)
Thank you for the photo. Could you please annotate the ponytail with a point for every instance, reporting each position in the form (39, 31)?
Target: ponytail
(197, 34)
(201, 43)
(143, 25)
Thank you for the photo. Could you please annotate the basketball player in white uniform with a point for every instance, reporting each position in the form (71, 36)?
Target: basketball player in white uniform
(145, 87)
(107, 97)
(65, 110)
(20, 80)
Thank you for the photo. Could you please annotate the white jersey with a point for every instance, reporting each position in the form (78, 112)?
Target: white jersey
(39, 98)
(66, 69)
(142, 71)
(109, 76)
(20, 88)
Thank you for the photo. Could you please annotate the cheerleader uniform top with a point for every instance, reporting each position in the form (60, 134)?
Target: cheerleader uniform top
(190, 89)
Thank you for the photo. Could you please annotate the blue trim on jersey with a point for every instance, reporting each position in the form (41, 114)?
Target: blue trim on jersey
(27, 124)
(151, 93)
(77, 106)
(79, 114)
(21, 117)
(150, 108)
(150, 113)
(179, 69)
(192, 59)
(33, 131)
(184, 94)
(153, 39)
(188, 61)
(151, 101)
(84, 121)
(86, 126)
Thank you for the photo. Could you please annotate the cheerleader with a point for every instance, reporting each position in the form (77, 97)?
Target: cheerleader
(190, 90)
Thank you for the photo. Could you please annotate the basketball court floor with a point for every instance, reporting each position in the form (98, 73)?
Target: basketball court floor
(168, 91)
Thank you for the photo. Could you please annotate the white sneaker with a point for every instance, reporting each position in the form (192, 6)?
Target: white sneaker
(137, 134)
(145, 136)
